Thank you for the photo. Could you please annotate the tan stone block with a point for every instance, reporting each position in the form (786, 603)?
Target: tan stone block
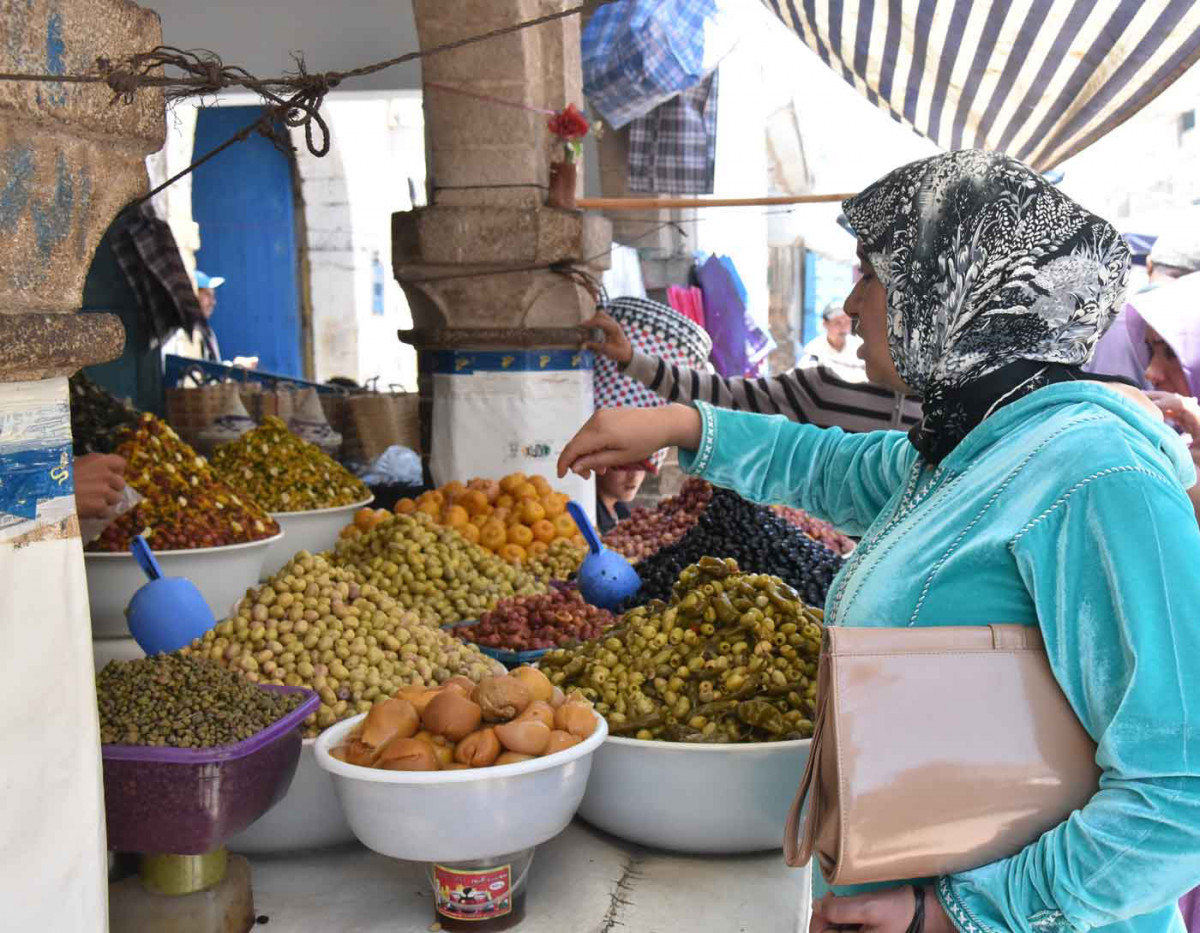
(439, 299)
(53, 37)
(481, 166)
(453, 121)
(59, 195)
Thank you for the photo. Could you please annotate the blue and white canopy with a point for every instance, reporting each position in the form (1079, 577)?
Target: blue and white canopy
(1038, 79)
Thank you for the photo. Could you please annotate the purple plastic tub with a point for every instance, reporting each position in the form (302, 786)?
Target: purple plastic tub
(188, 801)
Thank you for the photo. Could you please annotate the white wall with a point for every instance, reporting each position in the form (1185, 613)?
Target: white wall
(261, 35)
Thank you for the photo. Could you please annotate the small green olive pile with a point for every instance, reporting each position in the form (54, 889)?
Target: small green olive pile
(183, 702)
(284, 473)
(731, 658)
(313, 625)
(432, 570)
(561, 561)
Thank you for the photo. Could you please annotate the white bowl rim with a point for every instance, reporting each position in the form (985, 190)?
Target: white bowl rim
(337, 731)
(222, 549)
(327, 511)
(659, 745)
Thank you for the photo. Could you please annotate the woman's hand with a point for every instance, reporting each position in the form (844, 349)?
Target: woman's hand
(616, 345)
(99, 482)
(1180, 410)
(617, 436)
(882, 912)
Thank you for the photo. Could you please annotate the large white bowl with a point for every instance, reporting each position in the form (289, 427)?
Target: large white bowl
(222, 574)
(308, 817)
(314, 531)
(457, 816)
(706, 799)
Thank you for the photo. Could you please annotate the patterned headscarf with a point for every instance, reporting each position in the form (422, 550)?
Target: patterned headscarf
(997, 284)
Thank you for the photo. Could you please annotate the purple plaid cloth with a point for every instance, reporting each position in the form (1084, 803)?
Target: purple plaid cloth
(146, 252)
(673, 149)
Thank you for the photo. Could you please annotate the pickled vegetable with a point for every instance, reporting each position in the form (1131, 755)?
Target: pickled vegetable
(731, 658)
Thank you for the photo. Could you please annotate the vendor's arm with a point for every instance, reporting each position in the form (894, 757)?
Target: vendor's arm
(843, 478)
(810, 393)
(1112, 570)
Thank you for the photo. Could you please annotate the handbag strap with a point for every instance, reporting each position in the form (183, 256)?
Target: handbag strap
(797, 849)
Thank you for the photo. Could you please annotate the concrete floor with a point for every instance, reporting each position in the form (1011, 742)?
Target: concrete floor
(581, 882)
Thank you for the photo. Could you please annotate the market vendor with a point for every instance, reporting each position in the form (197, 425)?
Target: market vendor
(99, 483)
(615, 489)
(1030, 494)
(812, 393)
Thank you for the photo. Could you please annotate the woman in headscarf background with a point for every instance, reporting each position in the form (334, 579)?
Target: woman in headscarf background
(1028, 494)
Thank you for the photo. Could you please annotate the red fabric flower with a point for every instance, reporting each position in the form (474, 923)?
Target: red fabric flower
(569, 124)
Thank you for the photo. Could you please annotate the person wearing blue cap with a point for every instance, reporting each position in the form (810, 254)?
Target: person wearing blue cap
(206, 286)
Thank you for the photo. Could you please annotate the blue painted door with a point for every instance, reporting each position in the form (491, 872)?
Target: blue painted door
(243, 202)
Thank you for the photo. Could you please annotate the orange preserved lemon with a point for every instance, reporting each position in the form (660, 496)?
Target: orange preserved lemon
(512, 482)
(479, 520)
(363, 518)
(513, 552)
(475, 501)
(565, 526)
(501, 514)
(470, 532)
(505, 501)
(542, 485)
(381, 515)
(405, 506)
(520, 534)
(543, 531)
(538, 548)
(493, 535)
(432, 496)
(532, 511)
(431, 508)
(456, 516)
(552, 506)
(526, 491)
(452, 490)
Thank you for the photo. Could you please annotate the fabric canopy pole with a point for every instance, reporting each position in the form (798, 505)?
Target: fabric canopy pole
(651, 204)
(1037, 79)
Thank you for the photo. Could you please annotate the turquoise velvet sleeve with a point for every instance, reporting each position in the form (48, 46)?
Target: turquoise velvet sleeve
(845, 479)
(1112, 567)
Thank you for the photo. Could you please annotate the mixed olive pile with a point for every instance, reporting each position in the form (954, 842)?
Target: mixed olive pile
(185, 505)
(754, 536)
(502, 720)
(99, 422)
(816, 529)
(432, 569)
(561, 561)
(556, 619)
(647, 531)
(314, 625)
(183, 702)
(731, 658)
(283, 473)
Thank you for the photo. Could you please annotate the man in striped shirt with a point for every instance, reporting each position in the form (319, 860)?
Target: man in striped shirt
(811, 393)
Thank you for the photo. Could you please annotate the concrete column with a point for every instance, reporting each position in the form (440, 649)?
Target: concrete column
(68, 162)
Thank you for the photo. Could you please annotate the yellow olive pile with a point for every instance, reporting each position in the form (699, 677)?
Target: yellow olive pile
(731, 658)
(432, 570)
(502, 720)
(560, 561)
(185, 505)
(283, 473)
(314, 625)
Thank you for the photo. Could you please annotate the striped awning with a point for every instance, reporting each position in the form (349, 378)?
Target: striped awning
(1037, 79)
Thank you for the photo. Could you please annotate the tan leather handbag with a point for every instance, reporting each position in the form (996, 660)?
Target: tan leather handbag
(936, 750)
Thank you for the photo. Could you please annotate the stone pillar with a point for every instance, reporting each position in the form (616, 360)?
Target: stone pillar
(473, 262)
(68, 162)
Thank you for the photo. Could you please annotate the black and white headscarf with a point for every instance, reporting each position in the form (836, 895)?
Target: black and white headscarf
(997, 284)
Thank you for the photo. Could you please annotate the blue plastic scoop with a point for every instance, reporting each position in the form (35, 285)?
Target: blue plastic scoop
(606, 579)
(167, 613)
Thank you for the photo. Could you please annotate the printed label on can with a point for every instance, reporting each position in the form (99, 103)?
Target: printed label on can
(473, 894)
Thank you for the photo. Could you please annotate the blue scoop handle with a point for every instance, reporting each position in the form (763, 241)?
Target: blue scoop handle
(145, 558)
(585, 527)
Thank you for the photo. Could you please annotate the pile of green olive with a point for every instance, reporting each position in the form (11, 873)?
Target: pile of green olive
(731, 658)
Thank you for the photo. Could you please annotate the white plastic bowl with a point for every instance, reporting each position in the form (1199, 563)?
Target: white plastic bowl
(314, 531)
(308, 817)
(705, 799)
(458, 816)
(222, 574)
(114, 649)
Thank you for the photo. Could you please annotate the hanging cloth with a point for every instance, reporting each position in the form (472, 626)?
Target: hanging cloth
(673, 149)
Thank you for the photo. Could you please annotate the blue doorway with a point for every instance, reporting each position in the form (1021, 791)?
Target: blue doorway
(244, 202)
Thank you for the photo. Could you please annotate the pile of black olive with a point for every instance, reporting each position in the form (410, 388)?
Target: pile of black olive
(754, 536)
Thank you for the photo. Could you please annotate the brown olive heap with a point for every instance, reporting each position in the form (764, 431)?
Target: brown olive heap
(185, 505)
(731, 658)
(314, 625)
(502, 720)
(284, 473)
(432, 570)
(184, 703)
(648, 531)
